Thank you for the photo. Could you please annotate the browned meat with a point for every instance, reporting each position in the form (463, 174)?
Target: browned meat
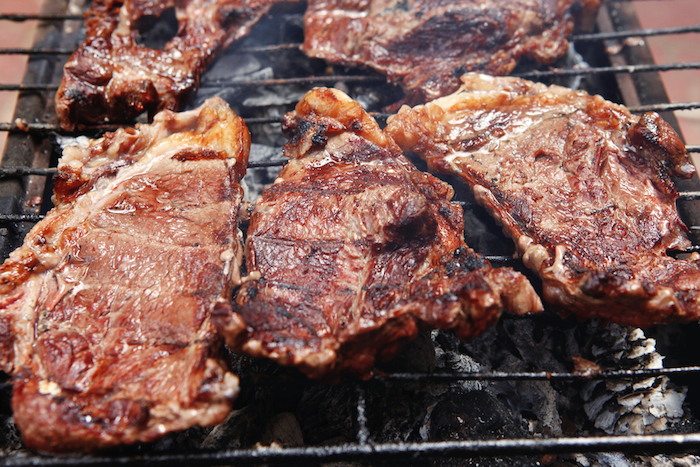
(113, 77)
(582, 186)
(105, 311)
(425, 45)
(353, 250)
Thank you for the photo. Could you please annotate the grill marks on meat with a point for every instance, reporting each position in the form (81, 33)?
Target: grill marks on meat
(582, 186)
(113, 77)
(353, 250)
(425, 46)
(106, 308)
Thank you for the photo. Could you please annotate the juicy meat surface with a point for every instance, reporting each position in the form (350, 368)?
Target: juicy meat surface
(426, 45)
(105, 311)
(580, 184)
(113, 76)
(352, 251)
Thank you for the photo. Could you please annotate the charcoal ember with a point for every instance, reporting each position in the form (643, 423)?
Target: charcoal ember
(325, 412)
(623, 406)
(449, 357)
(417, 356)
(283, 430)
(521, 346)
(676, 461)
(476, 415)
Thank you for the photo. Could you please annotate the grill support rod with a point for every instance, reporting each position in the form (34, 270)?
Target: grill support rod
(393, 451)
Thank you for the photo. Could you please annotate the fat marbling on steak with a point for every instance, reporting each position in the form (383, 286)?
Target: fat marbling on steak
(112, 76)
(105, 311)
(352, 251)
(426, 45)
(580, 184)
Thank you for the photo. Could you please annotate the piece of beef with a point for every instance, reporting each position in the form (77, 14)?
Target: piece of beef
(426, 45)
(113, 76)
(580, 184)
(106, 308)
(352, 251)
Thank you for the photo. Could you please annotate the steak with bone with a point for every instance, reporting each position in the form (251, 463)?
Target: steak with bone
(582, 186)
(352, 251)
(105, 311)
(426, 45)
(114, 76)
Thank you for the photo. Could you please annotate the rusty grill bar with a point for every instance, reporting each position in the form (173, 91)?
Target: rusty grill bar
(15, 221)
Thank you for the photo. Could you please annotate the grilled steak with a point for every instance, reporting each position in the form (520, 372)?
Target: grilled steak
(105, 311)
(426, 45)
(112, 76)
(353, 250)
(582, 186)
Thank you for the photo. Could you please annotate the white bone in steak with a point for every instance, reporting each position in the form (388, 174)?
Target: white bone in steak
(580, 184)
(112, 76)
(352, 251)
(426, 45)
(105, 311)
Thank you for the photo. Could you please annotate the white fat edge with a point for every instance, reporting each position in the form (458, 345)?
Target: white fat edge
(103, 190)
(26, 319)
(533, 254)
(331, 16)
(666, 298)
(80, 142)
(49, 388)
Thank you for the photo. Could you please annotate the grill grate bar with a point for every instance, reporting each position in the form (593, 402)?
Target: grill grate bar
(665, 107)
(601, 36)
(390, 451)
(643, 68)
(538, 375)
(361, 406)
(311, 80)
(41, 17)
(26, 127)
(35, 51)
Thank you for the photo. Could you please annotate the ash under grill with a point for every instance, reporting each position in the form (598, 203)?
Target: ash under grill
(513, 393)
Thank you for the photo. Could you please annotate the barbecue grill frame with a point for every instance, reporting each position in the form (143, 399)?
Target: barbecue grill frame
(24, 171)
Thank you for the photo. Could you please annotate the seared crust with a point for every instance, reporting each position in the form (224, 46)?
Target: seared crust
(106, 307)
(352, 251)
(111, 77)
(582, 186)
(425, 45)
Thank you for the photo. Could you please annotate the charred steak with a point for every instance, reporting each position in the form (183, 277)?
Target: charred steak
(425, 45)
(353, 250)
(105, 311)
(113, 76)
(580, 184)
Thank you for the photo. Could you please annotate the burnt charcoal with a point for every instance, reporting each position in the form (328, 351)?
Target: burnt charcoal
(326, 412)
(475, 415)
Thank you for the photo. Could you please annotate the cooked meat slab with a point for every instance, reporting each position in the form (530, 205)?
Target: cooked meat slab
(105, 311)
(580, 184)
(113, 76)
(426, 45)
(353, 250)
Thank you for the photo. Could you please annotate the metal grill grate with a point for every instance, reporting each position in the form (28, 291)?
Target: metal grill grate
(32, 150)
